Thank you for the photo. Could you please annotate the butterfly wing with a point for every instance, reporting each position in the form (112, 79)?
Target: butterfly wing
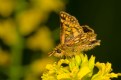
(72, 34)
(70, 28)
(85, 41)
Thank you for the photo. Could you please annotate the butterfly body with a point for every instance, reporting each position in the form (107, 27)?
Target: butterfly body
(73, 37)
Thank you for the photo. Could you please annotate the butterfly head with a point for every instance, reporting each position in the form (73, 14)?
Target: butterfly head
(58, 51)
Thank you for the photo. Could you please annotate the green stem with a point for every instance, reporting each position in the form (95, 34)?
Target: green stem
(16, 68)
(17, 48)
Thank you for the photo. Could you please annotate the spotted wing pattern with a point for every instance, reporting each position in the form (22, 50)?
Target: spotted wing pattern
(70, 28)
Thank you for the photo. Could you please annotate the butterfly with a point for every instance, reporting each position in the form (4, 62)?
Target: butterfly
(73, 37)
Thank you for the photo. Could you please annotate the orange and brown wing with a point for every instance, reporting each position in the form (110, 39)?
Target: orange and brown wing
(70, 28)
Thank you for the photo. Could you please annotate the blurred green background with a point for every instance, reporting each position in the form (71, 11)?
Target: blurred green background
(29, 29)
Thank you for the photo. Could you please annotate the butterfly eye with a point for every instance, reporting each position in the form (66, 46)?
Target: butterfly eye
(58, 51)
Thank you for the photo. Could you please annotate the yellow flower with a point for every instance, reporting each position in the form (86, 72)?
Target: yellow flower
(7, 7)
(41, 40)
(78, 67)
(49, 5)
(29, 20)
(75, 68)
(8, 32)
(104, 72)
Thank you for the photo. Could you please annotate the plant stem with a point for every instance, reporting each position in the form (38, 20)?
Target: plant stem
(17, 48)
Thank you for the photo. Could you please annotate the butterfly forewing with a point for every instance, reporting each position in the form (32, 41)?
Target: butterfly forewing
(70, 27)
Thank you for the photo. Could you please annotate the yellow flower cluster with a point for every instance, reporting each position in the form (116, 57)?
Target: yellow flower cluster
(41, 40)
(23, 26)
(78, 68)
